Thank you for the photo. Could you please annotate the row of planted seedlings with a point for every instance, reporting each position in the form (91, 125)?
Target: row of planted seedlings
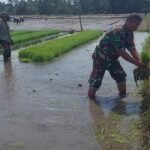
(54, 48)
(25, 37)
(145, 91)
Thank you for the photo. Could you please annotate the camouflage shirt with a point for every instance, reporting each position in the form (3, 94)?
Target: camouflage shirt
(116, 39)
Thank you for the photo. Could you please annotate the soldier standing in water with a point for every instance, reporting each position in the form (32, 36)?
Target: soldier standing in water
(5, 38)
(110, 48)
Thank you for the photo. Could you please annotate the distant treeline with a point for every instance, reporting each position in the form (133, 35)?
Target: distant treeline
(56, 7)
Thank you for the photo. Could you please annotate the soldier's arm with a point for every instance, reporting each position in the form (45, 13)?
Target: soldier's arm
(129, 58)
(135, 54)
(131, 46)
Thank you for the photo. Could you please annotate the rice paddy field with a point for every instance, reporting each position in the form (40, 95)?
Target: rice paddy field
(44, 105)
(25, 38)
(54, 48)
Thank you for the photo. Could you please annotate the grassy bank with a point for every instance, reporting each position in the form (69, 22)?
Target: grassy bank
(54, 48)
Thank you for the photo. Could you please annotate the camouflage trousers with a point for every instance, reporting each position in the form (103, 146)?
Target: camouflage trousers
(100, 66)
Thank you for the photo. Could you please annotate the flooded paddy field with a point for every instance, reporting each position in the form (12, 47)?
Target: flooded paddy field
(44, 106)
(65, 23)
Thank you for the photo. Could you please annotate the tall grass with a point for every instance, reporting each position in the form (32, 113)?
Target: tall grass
(54, 48)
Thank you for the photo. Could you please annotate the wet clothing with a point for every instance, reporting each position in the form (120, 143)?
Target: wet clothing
(5, 39)
(7, 49)
(105, 56)
(5, 32)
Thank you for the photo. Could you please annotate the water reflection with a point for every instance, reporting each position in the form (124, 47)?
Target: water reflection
(7, 82)
(113, 121)
(8, 68)
(118, 105)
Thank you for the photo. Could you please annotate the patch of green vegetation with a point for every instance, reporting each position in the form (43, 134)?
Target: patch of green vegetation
(14, 146)
(21, 38)
(14, 33)
(36, 41)
(54, 48)
(146, 51)
(26, 38)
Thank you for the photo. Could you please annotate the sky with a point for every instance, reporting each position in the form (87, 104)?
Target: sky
(3, 1)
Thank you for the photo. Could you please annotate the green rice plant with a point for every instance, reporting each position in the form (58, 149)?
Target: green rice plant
(48, 50)
(146, 51)
(36, 41)
(33, 35)
(14, 33)
(145, 91)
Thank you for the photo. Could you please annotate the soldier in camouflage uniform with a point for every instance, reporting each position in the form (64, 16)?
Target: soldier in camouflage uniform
(107, 52)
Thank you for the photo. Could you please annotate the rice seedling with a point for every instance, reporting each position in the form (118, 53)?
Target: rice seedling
(14, 33)
(144, 73)
(54, 48)
(145, 92)
(146, 51)
(36, 41)
(25, 38)
(33, 35)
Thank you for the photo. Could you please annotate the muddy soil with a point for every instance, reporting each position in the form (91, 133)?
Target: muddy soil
(44, 106)
(65, 23)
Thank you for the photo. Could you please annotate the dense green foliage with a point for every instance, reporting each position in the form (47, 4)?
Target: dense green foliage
(48, 50)
(25, 7)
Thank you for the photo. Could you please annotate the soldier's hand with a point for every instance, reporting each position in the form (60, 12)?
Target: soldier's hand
(140, 64)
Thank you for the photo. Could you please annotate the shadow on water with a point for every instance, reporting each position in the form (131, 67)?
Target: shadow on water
(8, 68)
(115, 122)
(8, 80)
(118, 105)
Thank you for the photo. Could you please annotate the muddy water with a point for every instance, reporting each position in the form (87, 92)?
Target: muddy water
(45, 106)
(68, 23)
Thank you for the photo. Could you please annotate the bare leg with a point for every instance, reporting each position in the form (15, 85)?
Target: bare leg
(122, 89)
(91, 93)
